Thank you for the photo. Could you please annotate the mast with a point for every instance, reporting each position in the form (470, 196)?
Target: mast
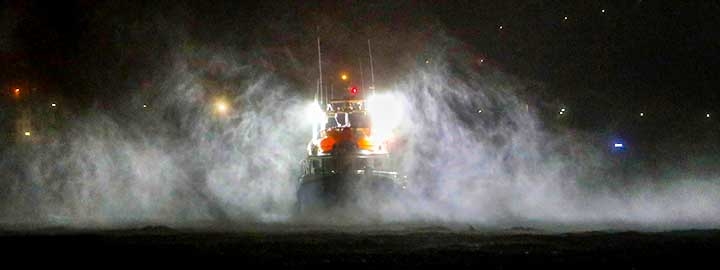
(372, 72)
(362, 78)
(320, 71)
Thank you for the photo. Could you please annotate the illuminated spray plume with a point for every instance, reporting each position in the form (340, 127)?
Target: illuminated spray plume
(507, 170)
(181, 165)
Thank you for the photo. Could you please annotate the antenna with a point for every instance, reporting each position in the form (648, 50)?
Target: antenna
(362, 77)
(372, 72)
(320, 70)
(317, 97)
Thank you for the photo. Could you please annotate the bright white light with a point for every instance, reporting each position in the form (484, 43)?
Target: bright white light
(707, 115)
(315, 114)
(603, 11)
(27, 133)
(479, 110)
(144, 105)
(386, 113)
(565, 18)
(562, 110)
(642, 114)
(618, 145)
(53, 105)
(501, 27)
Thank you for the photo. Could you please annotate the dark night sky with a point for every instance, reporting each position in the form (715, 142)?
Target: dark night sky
(657, 56)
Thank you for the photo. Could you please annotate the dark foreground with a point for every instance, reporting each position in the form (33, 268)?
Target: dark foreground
(429, 246)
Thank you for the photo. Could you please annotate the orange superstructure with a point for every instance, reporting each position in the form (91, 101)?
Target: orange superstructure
(346, 123)
(357, 136)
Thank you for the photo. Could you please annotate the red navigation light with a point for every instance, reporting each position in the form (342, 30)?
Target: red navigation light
(353, 90)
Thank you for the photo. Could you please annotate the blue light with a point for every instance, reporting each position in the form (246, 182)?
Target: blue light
(618, 145)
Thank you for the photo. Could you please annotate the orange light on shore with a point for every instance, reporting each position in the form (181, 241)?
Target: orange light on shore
(16, 92)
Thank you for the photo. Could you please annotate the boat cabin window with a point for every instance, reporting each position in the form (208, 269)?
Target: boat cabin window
(356, 120)
(331, 123)
(359, 120)
(340, 119)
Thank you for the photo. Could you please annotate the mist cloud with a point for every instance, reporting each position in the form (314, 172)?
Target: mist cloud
(177, 163)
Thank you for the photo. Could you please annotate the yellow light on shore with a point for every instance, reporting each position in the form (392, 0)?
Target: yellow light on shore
(27, 133)
(221, 107)
(344, 77)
